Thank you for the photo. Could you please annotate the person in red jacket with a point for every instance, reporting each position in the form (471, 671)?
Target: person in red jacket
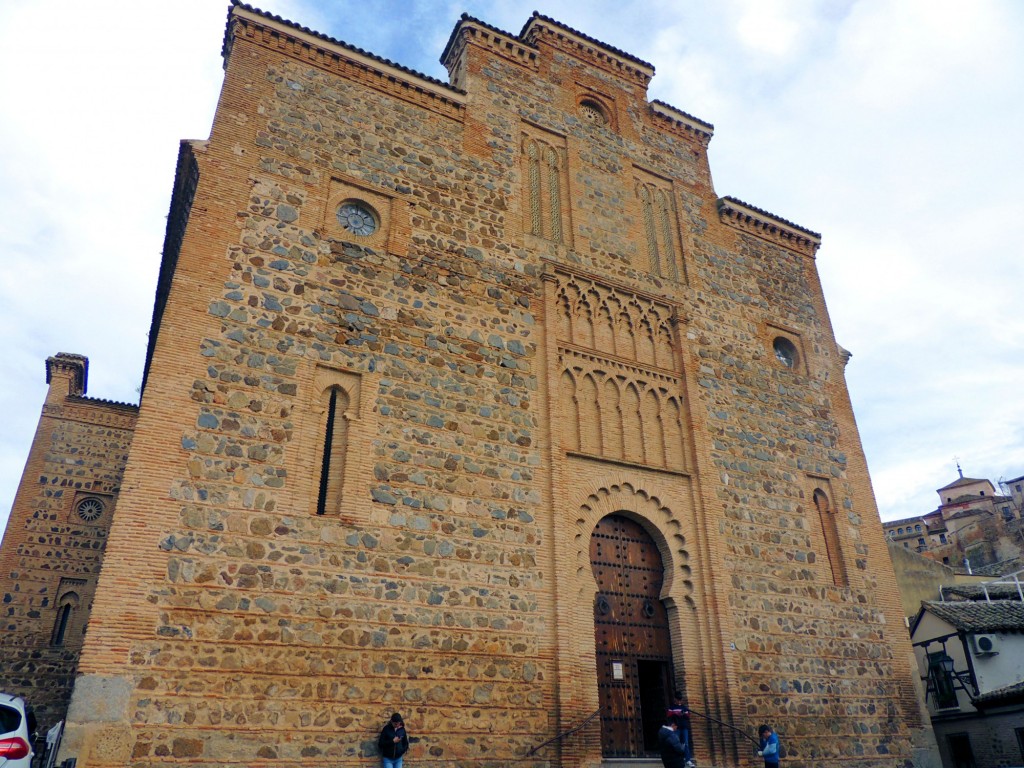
(679, 715)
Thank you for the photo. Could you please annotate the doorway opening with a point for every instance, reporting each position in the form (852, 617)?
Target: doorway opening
(634, 654)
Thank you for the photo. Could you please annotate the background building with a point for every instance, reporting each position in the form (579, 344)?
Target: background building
(56, 536)
(974, 528)
(476, 401)
(970, 648)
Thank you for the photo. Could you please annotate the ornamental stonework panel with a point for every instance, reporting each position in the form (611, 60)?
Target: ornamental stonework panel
(545, 186)
(660, 225)
(619, 393)
(625, 325)
(621, 412)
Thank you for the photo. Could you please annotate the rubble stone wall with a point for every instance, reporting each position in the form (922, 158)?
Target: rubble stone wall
(547, 274)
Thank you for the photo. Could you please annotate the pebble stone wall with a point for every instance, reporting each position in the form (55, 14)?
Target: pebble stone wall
(449, 577)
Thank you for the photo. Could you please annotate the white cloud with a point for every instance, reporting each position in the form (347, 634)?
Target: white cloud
(773, 27)
(891, 126)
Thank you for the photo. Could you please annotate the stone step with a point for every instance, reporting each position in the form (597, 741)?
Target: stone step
(631, 762)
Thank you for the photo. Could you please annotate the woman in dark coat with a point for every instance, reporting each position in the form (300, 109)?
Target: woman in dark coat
(393, 742)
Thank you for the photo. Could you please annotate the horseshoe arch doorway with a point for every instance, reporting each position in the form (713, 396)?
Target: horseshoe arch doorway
(633, 645)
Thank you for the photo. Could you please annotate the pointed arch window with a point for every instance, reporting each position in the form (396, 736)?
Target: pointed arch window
(338, 410)
(830, 532)
(66, 606)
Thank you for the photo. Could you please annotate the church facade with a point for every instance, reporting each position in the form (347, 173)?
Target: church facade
(474, 401)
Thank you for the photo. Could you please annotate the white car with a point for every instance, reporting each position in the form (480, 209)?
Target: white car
(15, 736)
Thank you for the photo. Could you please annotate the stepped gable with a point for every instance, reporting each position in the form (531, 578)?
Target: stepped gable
(664, 110)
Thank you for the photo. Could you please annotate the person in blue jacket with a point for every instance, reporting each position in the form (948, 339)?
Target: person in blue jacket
(769, 746)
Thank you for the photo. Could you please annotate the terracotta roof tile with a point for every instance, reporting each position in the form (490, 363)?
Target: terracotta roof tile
(980, 616)
(617, 51)
(963, 481)
(103, 401)
(1006, 694)
(974, 592)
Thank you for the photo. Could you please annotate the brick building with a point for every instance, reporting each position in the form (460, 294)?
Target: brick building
(475, 401)
(56, 534)
(974, 527)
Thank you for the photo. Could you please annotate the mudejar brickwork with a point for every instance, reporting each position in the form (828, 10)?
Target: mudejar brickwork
(54, 544)
(473, 400)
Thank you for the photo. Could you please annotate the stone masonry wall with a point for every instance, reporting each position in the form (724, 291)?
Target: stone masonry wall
(449, 577)
(51, 556)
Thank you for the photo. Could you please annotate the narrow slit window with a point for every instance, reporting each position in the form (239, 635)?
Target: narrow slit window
(65, 613)
(830, 532)
(332, 462)
(61, 628)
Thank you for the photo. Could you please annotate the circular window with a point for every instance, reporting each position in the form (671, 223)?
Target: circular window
(90, 509)
(785, 351)
(358, 218)
(593, 112)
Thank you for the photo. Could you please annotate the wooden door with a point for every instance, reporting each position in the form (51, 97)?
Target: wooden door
(634, 653)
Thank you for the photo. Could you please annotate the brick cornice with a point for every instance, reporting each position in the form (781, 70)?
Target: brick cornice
(87, 410)
(611, 59)
(250, 23)
(768, 226)
(681, 122)
(471, 30)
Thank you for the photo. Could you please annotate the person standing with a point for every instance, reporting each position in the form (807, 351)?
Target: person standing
(769, 746)
(673, 753)
(393, 742)
(679, 714)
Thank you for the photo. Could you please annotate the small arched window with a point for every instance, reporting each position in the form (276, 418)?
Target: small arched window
(65, 613)
(830, 532)
(335, 445)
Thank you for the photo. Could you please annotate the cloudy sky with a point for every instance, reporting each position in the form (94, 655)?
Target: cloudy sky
(893, 127)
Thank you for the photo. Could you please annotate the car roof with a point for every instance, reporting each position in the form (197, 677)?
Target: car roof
(7, 698)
